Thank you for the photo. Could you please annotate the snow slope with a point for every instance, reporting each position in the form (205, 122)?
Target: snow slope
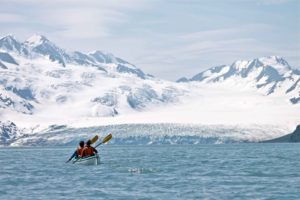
(269, 75)
(49, 82)
(41, 84)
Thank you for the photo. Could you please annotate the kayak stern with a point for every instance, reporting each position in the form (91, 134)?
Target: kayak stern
(91, 160)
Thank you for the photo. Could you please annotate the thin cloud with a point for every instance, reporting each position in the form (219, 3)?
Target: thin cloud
(10, 18)
(273, 2)
(88, 23)
(70, 18)
(225, 32)
(164, 38)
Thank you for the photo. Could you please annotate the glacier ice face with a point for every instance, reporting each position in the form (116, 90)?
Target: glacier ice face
(146, 134)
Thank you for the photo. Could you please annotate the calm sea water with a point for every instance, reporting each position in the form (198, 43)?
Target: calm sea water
(229, 171)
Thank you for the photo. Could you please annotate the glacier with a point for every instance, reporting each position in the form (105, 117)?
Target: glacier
(42, 85)
(139, 134)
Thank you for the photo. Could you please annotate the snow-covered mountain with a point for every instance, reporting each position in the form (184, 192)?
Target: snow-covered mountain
(269, 75)
(8, 132)
(44, 87)
(38, 76)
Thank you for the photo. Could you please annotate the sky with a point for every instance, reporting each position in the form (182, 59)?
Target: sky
(166, 38)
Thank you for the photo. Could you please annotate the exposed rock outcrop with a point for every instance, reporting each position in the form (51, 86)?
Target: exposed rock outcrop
(292, 137)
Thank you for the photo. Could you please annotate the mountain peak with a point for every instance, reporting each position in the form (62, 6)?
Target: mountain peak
(8, 37)
(41, 45)
(277, 63)
(273, 60)
(96, 52)
(36, 40)
(10, 43)
(101, 53)
(102, 57)
(265, 73)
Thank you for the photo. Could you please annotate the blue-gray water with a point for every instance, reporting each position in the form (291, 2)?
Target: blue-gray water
(229, 171)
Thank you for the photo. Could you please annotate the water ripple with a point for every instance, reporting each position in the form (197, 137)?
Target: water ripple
(229, 171)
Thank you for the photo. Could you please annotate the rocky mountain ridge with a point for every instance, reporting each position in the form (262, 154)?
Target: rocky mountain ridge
(270, 75)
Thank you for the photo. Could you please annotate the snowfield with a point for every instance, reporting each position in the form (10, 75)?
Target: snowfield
(79, 94)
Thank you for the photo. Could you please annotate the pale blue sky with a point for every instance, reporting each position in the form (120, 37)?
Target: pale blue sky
(167, 38)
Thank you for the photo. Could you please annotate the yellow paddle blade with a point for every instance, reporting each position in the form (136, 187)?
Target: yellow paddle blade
(94, 139)
(107, 138)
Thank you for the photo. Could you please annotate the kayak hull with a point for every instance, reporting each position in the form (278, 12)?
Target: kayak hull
(91, 160)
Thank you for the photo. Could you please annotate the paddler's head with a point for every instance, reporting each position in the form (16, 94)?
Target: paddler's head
(88, 143)
(81, 144)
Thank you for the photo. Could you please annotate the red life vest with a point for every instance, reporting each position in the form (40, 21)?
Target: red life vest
(79, 151)
(87, 151)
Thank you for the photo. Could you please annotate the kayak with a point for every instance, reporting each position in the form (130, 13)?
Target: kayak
(91, 160)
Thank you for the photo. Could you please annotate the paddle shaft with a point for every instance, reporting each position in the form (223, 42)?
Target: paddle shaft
(98, 145)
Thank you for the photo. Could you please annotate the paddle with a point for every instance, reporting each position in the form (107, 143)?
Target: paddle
(93, 140)
(106, 139)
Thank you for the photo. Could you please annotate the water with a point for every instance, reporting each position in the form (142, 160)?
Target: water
(229, 171)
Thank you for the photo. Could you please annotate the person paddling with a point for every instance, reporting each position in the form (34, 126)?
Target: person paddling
(88, 150)
(78, 151)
